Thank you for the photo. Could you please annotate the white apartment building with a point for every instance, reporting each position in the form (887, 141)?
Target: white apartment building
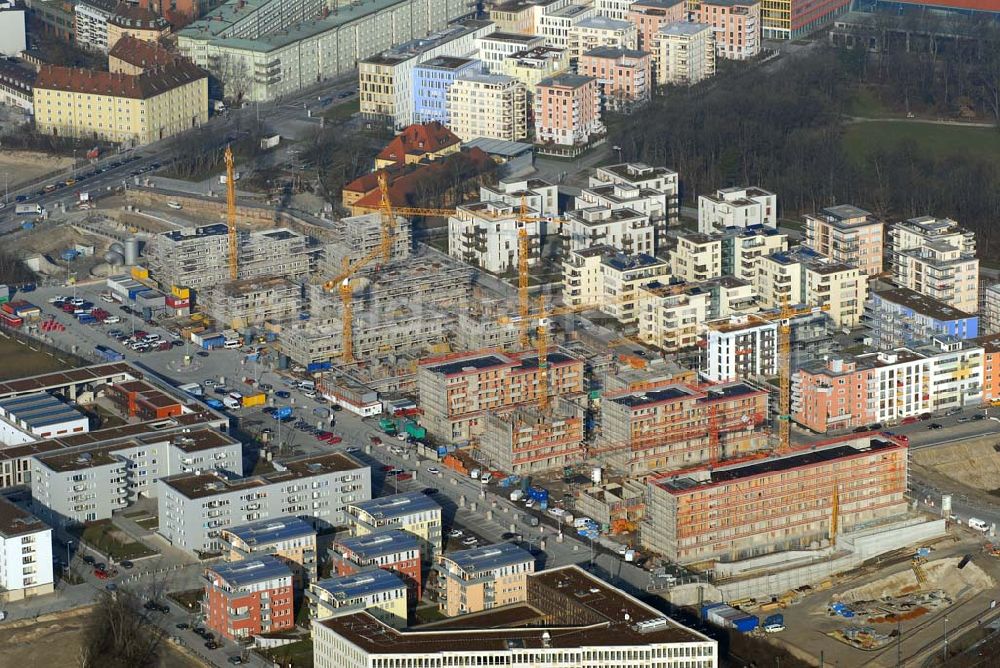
(741, 248)
(936, 257)
(25, 554)
(91, 23)
(195, 507)
(485, 235)
(802, 276)
(741, 347)
(538, 195)
(697, 257)
(598, 31)
(555, 23)
(683, 53)
(654, 191)
(609, 280)
(493, 106)
(671, 317)
(493, 48)
(989, 316)
(624, 229)
(614, 9)
(737, 207)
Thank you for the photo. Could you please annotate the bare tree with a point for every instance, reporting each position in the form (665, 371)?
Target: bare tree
(120, 634)
(235, 76)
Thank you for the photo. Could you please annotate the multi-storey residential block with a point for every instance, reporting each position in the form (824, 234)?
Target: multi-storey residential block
(623, 76)
(521, 16)
(527, 440)
(653, 191)
(252, 302)
(697, 257)
(530, 66)
(613, 9)
(672, 426)
(609, 280)
(991, 369)
(901, 317)
(670, 316)
(742, 246)
(379, 592)
(625, 229)
(567, 110)
(802, 276)
(247, 598)
(25, 554)
(196, 507)
(683, 53)
(385, 80)
(483, 578)
(888, 386)
(737, 207)
(91, 23)
(741, 347)
(485, 234)
(538, 195)
(737, 26)
(990, 311)
(131, 20)
(586, 620)
(600, 31)
(413, 512)
(936, 257)
(17, 85)
(493, 48)
(494, 106)
(791, 19)
(555, 23)
(394, 550)
(651, 15)
(123, 108)
(849, 235)
(289, 539)
(799, 498)
(730, 297)
(431, 81)
(457, 391)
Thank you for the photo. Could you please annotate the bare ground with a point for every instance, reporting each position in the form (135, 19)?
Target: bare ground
(23, 166)
(974, 462)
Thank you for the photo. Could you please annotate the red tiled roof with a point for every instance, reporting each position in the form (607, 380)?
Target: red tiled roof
(141, 53)
(404, 184)
(138, 86)
(418, 139)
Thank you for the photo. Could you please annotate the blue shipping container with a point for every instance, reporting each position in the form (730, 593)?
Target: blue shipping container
(213, 342)
(316, 367)
(708, 606)
(108, 354)
(745, 624)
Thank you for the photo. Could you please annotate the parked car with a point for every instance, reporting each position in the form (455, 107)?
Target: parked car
(455, 533)
(935, 425)
(282, 394)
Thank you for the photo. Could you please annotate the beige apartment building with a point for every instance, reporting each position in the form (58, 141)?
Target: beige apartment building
(530, 66)
(742, 247)
(697, 257)
(623, 76)
(137, 22)
(493, 106)
(935, 257)
(607, 279)
(737, 26)
(683, 53)
(847, 234)
(801, 276)
(670, 317)
(597, 31)
(122, 108)
(483, 578)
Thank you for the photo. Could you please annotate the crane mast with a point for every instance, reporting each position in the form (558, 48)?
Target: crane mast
(231, 215)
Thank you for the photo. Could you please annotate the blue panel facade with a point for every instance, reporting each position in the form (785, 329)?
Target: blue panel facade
(431, 81)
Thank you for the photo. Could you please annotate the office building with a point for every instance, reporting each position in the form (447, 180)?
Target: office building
(743, 346)
(247, 598)
(196, 507)
(431, 81)
(683, 53)
(737, 207)
(457, 391)
(494, 106)
(580, 620)
(567, 110)
(483, 578)
(848, 235)
(25, 554)
(737, 26)
(289, 539)
(802, 499)
(121, 108)
(413, 512)
(900, 317)
(394, 550)
(623, 76)
(936, 257)
(378, 592)
(791, 19)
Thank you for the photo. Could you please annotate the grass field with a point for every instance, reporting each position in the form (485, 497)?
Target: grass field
(20, 360)
(862, 138)
(103, 537)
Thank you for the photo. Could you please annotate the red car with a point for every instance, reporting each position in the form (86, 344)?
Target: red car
(101, 574)
(387, 468)
(334, 440)
(68, 308)
(404, 476)
(323, 435)
(910, 420)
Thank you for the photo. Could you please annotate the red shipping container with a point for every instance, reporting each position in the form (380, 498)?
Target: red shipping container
(175, 302)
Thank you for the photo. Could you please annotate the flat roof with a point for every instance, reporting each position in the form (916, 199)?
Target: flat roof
(396, 505)
(566, 81)
(363, 583)
(601, 616)
(15, 521)
(379, 543)
(923, 304)
(647, 397)
(516, 37)
(489, 557)
(684, 28)
(446, 62)
(38, 410)
(472, 363)
(499, 146)
(58, 379)
(265, 532)
(252, 571)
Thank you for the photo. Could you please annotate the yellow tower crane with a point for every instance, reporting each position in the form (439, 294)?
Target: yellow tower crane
(231, 215)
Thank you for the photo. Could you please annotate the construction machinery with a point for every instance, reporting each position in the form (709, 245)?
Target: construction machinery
(231, 215)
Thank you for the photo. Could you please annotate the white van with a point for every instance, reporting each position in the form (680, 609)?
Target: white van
(977, 524)
(231, 344)
(229, 402)
(307, 385)
(485, 478)
(174, 205)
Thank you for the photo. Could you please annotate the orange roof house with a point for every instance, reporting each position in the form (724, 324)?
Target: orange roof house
(418, 143)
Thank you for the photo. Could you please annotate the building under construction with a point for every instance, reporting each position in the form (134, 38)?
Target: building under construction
(484, 325)
(673, 426)
(252, 302)
(795, 501)
(199, 258)
(458, 391)
(528, 440)
(357, 236)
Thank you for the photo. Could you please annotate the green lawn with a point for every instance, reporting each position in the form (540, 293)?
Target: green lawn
(865, 104)
(105, 538)
(862, 138)
(343, 111)
(298, 654)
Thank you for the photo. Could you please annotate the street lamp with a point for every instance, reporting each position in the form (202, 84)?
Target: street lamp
(69, 544)
(619, 149)
(946, 638)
